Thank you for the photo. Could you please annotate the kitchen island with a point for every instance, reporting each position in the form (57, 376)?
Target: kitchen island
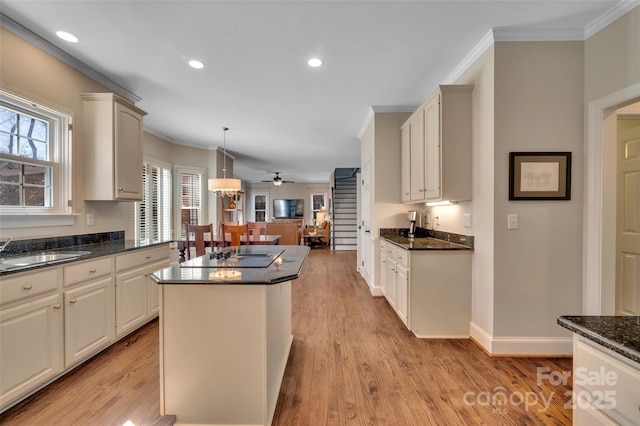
(225, 334)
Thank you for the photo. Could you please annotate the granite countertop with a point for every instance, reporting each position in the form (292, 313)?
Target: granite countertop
(621, 334)
(423, 243)
(95, 246)
(286, 264)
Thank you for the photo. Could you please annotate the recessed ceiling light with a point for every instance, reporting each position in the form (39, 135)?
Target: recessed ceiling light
(315, 62)
(67, 36)
(196, 64)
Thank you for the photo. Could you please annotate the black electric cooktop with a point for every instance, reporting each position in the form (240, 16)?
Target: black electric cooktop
(236, 257)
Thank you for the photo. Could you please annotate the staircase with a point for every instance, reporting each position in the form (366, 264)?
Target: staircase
(344, 226)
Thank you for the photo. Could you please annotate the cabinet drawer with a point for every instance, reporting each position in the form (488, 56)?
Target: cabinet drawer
(79, 272)
(28, 285)
(402, 256)
(383, 247)
(607, 378)
(141, 257)
(391, 251)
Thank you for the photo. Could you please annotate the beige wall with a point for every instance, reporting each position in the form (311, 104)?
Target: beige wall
(29, 72)
(612, 57)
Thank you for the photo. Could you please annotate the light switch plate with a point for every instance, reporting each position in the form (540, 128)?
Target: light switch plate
(467, 220)
(512, 221)
(89, 219)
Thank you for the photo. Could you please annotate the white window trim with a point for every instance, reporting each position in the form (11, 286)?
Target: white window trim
(253, 205)
(324, 203)
(61, 213)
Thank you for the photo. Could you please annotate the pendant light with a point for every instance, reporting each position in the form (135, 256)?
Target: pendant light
(225, 186)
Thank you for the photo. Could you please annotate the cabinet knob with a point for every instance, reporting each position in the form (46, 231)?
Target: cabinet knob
(92, 270)
(72, 301)
(120, 189)
(27, 287)
(56, 306)
(148, 257)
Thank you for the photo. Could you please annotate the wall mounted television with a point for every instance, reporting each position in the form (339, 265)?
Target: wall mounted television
(288, 209)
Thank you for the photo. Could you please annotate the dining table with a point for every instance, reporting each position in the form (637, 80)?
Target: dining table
(218, 242)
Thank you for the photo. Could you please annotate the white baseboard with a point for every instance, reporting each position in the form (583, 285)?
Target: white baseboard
(521, 346)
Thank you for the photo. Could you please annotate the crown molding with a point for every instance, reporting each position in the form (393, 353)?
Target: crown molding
(611, 15)
(475, 53)
(34, 39)
(549, 34)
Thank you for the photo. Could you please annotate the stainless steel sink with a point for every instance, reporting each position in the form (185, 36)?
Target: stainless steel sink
(13, 263)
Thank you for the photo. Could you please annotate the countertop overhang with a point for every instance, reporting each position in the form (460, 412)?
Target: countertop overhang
(621, 334)
(423, 243)
(285, 267)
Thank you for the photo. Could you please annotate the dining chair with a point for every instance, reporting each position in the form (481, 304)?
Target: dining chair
(197, 235)
(257, 228)
(235, 232)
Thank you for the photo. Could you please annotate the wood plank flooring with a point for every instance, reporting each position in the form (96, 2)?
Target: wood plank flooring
(352, 363)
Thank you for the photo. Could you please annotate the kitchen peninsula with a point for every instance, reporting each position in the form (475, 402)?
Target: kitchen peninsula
(225, 334)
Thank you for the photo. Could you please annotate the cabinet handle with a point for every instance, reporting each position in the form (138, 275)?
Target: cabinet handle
(92, 270)
(56, 306)
(27, 287)
(72, 301)
(148, 257)
(120, 189)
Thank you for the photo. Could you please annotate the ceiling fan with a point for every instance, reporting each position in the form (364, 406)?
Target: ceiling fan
(277, 180)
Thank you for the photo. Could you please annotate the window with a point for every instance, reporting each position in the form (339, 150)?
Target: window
(153, 213)
(34, 157)
(190, 190)
(260, 203)
(317, 202)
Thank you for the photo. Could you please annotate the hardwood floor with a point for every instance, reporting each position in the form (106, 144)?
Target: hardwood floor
(352, 363)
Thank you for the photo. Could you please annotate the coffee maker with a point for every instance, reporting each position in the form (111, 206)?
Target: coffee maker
(412, 216)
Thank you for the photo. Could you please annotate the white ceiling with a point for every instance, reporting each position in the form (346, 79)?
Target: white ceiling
(284, 116)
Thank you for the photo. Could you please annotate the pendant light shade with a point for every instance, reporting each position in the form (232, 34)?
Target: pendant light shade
(224, 185)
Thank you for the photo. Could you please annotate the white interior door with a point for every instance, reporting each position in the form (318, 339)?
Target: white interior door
(628, 221)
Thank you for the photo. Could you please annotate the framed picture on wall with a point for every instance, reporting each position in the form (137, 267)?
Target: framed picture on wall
(539, 176)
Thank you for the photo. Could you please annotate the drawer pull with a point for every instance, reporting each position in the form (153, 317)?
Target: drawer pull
(92, 270)
(148, 257)
(56, 306)
(72, 301)
(120, 189)
(27, 287)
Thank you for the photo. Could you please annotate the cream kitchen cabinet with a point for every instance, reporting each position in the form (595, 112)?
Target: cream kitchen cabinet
(439, 158)
(113, 140)
(89, 319)
(405, 159)
(396, 279)
(136, 299)
(31, 333)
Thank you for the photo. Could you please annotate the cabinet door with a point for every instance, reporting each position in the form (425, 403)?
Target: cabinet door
(391, 282)
(432, 149)
(402, 293)
(131, 300)
(30, 346)
(153, 290)
(383, 274)
(89, 319)
(405, 164)
(416, 179)
(128, 153)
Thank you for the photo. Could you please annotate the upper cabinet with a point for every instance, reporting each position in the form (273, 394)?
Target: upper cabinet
(113, 138)
(438, 135)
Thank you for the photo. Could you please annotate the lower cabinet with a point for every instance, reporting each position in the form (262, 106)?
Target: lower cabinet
(56, 317)
(430, 290)
(88, 319)
(31, 351)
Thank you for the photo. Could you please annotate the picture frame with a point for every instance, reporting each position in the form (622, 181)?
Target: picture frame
(539, 176)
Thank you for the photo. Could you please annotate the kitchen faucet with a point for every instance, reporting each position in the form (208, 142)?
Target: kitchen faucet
(6, 243)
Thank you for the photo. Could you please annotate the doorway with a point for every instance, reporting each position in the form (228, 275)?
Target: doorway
(599, 250)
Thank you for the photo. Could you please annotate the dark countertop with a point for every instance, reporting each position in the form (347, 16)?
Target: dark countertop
(202, 270)
(422, 243)
(100, 249)
(621, 334)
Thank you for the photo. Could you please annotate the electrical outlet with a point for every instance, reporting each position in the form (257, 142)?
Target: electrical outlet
(467, 220)
(512, 221)
(90, 219)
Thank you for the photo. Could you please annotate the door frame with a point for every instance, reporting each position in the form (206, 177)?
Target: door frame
(599, 225)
